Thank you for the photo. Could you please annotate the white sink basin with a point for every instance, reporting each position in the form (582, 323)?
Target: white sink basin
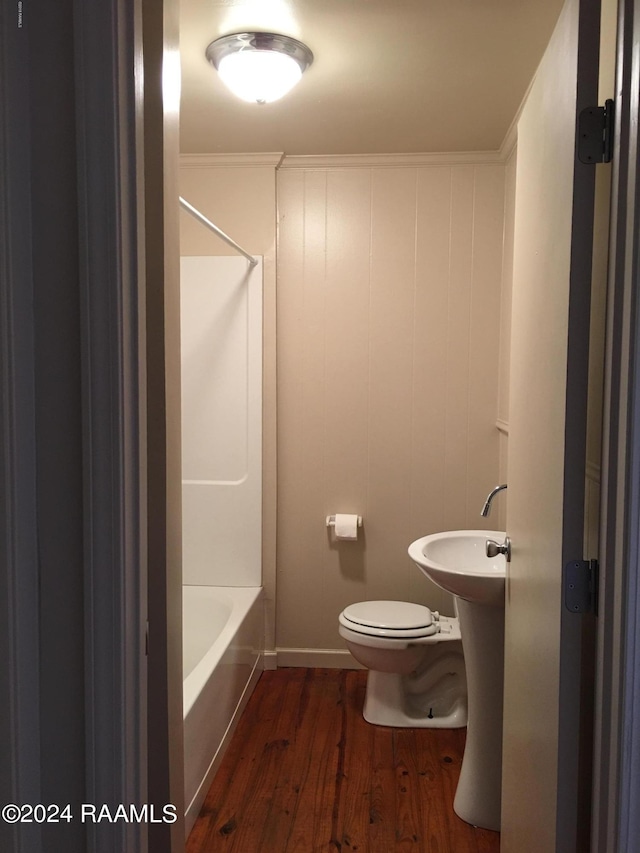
(456, 561)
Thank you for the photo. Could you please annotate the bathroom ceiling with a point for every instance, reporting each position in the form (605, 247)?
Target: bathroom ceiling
(389, 76)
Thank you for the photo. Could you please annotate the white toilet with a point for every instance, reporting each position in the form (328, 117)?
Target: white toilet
(416, 667)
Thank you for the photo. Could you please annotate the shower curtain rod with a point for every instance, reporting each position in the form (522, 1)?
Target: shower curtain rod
(202, 218)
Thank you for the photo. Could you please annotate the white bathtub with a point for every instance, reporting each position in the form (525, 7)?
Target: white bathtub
(222, 659)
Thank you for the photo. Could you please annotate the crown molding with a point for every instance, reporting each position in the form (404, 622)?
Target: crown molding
(227, 161)
(278, 160)
(391, 161)
(510, 142)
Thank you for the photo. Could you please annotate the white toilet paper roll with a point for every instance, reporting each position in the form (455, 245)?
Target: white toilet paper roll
(346, 526)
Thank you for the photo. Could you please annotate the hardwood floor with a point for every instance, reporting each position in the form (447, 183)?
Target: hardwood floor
(305, 773)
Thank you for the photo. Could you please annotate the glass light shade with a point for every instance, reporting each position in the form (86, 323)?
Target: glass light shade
(259, 67)
(259, 76)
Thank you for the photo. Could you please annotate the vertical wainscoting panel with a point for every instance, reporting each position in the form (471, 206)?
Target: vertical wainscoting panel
(347, 390)
(484, 342)
(505, 329)
(455, 389)
(507, 285)
(389, 283)
(430, 351)
(301, 404)
(393, 241)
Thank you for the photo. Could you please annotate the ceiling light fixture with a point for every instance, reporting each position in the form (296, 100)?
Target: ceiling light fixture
(259, 67)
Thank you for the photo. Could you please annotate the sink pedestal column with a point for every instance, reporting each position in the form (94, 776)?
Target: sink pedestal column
(478, 795)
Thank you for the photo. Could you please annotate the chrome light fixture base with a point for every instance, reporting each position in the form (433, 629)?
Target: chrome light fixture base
(236, 42)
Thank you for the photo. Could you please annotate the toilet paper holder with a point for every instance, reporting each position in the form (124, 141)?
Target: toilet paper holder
(331, 521)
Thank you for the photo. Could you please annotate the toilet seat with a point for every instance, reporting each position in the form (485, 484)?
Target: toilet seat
(394, 619)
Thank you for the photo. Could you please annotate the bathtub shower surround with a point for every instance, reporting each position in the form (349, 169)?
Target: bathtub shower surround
(221, 329)
(223, 617)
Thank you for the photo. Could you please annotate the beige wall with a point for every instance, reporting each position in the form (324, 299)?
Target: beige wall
(238, 194)
(388, 355)
(389, 302)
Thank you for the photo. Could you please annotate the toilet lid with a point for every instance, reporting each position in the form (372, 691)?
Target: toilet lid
(389, 615)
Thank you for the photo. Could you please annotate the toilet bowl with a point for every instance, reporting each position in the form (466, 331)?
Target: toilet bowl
(416, 666)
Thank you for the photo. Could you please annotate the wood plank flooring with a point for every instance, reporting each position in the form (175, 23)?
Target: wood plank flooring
(305, 773)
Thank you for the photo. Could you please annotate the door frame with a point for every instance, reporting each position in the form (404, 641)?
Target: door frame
(616, 797)
(616, 804)
(73, 712)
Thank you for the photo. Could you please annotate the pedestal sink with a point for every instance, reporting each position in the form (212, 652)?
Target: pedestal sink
(456, 561)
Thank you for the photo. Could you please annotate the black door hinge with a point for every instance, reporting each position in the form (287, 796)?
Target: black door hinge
(581, 586)
(595, 134)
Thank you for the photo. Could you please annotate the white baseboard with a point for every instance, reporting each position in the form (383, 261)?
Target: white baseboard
(320, 658)
(270, 659)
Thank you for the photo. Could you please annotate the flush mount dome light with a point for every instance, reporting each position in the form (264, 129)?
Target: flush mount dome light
(259, 67)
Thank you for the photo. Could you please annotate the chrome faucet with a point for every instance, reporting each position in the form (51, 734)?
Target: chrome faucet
(486, 509)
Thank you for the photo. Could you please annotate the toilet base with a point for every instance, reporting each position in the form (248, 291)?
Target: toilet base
(432, 698)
